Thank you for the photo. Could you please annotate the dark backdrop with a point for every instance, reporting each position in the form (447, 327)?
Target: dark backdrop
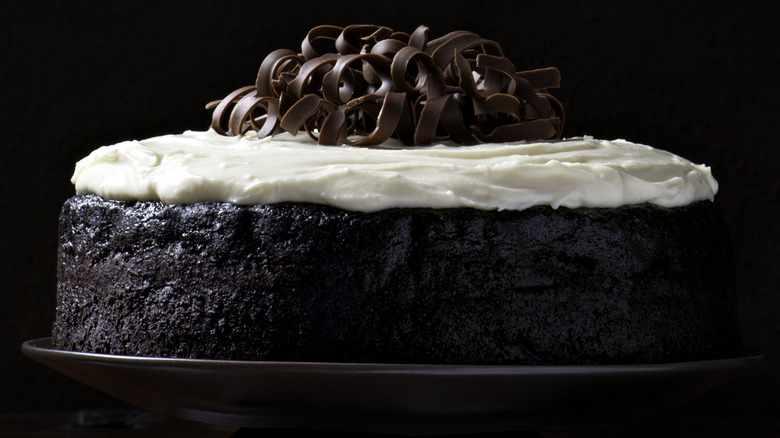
(695, 78)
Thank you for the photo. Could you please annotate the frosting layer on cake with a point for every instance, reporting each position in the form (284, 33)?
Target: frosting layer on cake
(578, 172)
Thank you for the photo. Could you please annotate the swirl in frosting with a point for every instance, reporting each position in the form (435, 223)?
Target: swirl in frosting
(378, 84)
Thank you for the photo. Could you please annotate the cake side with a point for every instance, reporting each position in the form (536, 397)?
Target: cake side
(306, 282)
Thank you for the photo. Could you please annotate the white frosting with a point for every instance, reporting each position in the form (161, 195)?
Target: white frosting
(205, 166)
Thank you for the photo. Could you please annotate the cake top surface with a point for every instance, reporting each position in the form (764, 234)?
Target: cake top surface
(199, 166)
(365, 118)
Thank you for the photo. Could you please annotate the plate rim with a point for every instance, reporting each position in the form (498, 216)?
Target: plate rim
(445, 404)
(41, 347)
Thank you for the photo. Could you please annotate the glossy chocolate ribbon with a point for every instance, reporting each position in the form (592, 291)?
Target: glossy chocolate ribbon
(376, 84)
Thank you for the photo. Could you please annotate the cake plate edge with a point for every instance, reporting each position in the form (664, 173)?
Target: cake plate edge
(390, 398)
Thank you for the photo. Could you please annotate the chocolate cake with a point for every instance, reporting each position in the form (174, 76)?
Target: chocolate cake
(413, 206)
(306, 282)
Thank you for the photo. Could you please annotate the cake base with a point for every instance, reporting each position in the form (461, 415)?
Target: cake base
(305, 282)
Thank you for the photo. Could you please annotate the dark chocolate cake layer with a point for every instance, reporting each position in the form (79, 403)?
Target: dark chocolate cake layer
(305, 282)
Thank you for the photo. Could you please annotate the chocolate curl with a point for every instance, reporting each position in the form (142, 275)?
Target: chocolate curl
(419, 38)
(376, 84)
(294, 117)
(542, 78)
(352, 39)
(220, 109)
(311, 74)
(527, 131)
(243, 118)
(336, 130)
(557, 109)
(341, 81)
(444, 111)
(319, 32)
(273, 68)
(429, 79)
(445, 52)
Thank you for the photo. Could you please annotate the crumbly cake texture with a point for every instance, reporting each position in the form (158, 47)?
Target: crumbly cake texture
(306, 282)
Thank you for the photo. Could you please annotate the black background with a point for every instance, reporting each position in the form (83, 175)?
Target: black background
(696, 78)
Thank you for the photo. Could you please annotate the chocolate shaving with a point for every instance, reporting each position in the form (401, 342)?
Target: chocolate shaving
(376, 84)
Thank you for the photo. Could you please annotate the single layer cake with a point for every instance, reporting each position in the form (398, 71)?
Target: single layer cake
(521, 283)
(421, 220)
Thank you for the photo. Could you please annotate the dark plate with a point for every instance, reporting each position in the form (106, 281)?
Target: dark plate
(389, 398)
